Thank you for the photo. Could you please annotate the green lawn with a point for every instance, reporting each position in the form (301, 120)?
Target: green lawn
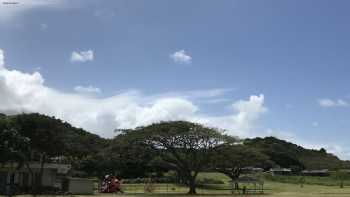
(272, 188)
(278, 187)
(327, 181)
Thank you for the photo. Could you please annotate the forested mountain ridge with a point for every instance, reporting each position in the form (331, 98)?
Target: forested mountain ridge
(287, 154)
(45, 130)
(94, 154)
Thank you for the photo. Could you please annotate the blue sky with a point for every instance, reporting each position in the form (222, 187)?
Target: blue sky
(254, 68)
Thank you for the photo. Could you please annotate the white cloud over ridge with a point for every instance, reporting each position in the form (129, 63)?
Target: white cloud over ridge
(82, 56)
(242, 121)
(26, 92)
(181, 57)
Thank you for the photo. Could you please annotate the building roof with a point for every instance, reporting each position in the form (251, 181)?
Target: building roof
(61, 168)
(280, 170)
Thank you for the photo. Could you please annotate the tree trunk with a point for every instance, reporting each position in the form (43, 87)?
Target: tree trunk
(32, 179)
(12, 180)
(236, 186)
(192, 186)
(42, 162)
(234, 174)
(11, 184)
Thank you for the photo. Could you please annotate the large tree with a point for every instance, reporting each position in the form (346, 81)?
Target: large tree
(12, 144)
(13, 147)
(46, 139)
(123, 157)
(130, 157)
(181, 146)
(231, 158)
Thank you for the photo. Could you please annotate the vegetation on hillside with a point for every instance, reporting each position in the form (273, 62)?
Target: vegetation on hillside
(181, 147)
(289, 155)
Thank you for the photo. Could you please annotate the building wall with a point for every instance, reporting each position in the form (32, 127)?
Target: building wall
(24, 178)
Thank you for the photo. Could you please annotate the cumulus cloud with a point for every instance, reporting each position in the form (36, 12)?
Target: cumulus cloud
(244, 117)
(23, 92)
(181, 57)
(200, 95)
(82, 56)
(332, 103)
(87, 89)
(27, 92)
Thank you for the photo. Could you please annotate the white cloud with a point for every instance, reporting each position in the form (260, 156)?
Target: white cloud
(243, 121)
(249, 111)
(25, 92)
(11, 9)
(2, 58)
(181, 57)
(82, 56)
(22, 92)
(205, 95)
(87, 89)
(332, 103)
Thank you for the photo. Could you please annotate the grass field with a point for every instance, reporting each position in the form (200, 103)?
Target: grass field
(314, 187)
(312, 180)
(274, 189)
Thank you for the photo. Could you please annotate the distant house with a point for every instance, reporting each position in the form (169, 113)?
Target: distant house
(323, 172)
(281, 171)
(52, 175)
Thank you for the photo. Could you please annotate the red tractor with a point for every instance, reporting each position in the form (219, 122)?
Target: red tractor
(111, 185)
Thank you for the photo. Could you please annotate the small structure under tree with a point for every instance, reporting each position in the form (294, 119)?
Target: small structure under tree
(256, 185)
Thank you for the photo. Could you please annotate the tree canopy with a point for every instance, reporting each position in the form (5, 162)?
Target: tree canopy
(181, 146)
(230, 159)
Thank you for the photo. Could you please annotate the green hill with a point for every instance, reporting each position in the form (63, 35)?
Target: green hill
(287, 154)
(83, 146)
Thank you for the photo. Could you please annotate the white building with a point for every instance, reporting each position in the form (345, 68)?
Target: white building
(52, 175)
